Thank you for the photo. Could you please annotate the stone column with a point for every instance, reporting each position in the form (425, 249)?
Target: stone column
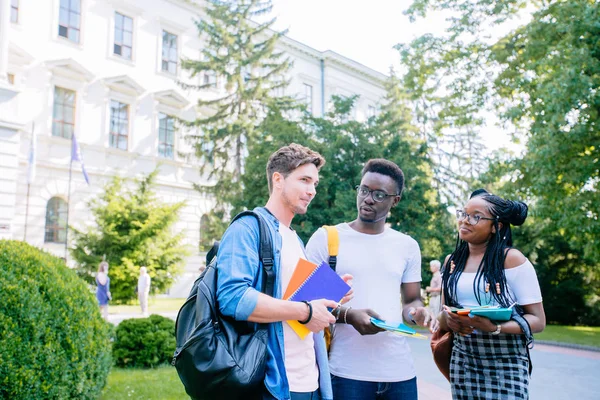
(4, 25)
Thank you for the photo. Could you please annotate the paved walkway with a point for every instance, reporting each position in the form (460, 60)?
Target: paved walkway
(558, 372)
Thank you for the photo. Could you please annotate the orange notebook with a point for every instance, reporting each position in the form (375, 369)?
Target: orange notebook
(303, 270)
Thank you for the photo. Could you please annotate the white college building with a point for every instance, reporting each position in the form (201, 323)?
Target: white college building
(106, 70)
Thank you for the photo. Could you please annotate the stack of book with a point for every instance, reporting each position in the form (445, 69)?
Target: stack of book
(312, 282)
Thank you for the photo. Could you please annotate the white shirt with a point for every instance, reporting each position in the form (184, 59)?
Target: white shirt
(144, 283)
(379, 264)
(522, 283)
(300, 360)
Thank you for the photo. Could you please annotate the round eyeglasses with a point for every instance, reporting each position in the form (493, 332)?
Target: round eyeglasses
(378, 195)
(471, 219)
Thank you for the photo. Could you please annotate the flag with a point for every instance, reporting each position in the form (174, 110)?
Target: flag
(76, 156)
(32, 157)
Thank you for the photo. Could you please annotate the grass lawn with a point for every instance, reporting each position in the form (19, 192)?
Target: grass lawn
(155, 305)
(160, 383)
(586, 335)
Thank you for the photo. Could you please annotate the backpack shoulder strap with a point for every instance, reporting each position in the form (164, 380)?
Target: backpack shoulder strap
(333, 244)
(265, 251)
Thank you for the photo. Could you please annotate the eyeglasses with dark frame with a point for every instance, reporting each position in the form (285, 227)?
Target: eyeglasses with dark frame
(471, 219)
(377, 195)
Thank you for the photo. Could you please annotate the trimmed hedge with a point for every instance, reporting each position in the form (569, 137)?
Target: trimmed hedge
(144, 342)
(53, 342)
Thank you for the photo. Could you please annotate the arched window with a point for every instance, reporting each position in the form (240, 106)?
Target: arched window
(56, 221)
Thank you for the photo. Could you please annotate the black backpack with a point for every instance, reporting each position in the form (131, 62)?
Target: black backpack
(217, 357)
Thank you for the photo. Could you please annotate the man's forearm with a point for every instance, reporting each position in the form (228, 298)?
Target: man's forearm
(269, 309)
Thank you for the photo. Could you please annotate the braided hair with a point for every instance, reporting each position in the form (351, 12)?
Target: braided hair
(491, 268)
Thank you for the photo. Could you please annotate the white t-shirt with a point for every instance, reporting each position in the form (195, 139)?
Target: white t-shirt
(379, 264)
(522, 282)
(144, 283)
(300, 360)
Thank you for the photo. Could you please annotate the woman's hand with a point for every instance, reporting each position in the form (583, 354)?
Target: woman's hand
(457, 323)
(482, 324)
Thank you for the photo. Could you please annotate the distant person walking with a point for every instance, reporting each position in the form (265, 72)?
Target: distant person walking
(435, 288)
(143, 289)
(103, 288)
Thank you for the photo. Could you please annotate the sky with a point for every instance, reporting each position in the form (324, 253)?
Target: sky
(365, 31)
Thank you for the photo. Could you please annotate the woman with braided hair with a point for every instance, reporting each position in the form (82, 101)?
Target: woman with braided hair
(490, 359)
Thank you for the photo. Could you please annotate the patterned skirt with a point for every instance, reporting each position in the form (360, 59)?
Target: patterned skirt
(485, 366)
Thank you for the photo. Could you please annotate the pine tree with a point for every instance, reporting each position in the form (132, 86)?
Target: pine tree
(132, 229)
(242, 54)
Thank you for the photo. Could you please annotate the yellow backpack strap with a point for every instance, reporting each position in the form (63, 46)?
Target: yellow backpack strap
(333, 244)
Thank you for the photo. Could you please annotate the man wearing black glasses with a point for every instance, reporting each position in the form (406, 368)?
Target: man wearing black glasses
(367, 363)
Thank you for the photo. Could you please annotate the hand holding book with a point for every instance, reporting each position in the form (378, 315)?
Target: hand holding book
(314, 282)
(360, 319)
(397, 328)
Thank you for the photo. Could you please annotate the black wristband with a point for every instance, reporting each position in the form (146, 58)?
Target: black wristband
(309, 313)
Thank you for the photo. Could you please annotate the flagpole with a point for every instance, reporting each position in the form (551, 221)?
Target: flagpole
(29, 180)
(68, 203)
(26, 213)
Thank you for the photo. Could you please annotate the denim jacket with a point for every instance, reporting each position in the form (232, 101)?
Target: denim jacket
(240, 281)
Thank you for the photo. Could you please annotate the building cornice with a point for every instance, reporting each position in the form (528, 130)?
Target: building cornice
(189, 5)
(348, 64)
(171, 98)
(126, 6)
(71, 69)
(332, 57)
(12, 125)
(124, 84)
(19, 57)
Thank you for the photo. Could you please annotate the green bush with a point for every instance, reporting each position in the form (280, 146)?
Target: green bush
(53, 342)
(144, 342)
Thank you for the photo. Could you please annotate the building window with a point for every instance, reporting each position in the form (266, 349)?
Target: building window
(63, 116)
(308, 97)
(371, 111)
(166, 135)
(169, 53)
(123, 36)
(69, 19)
(119, 124)
(210, 79)
(56, 221)
(14, 11)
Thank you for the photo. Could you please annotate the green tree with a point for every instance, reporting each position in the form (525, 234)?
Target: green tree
(133, 228)
(447, 114)
(242, 53)
(541, 80)
(549, 87)
(347, 145)
(212, 227)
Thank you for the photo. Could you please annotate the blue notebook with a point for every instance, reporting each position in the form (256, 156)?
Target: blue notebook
(322, 283)
(397, 327)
